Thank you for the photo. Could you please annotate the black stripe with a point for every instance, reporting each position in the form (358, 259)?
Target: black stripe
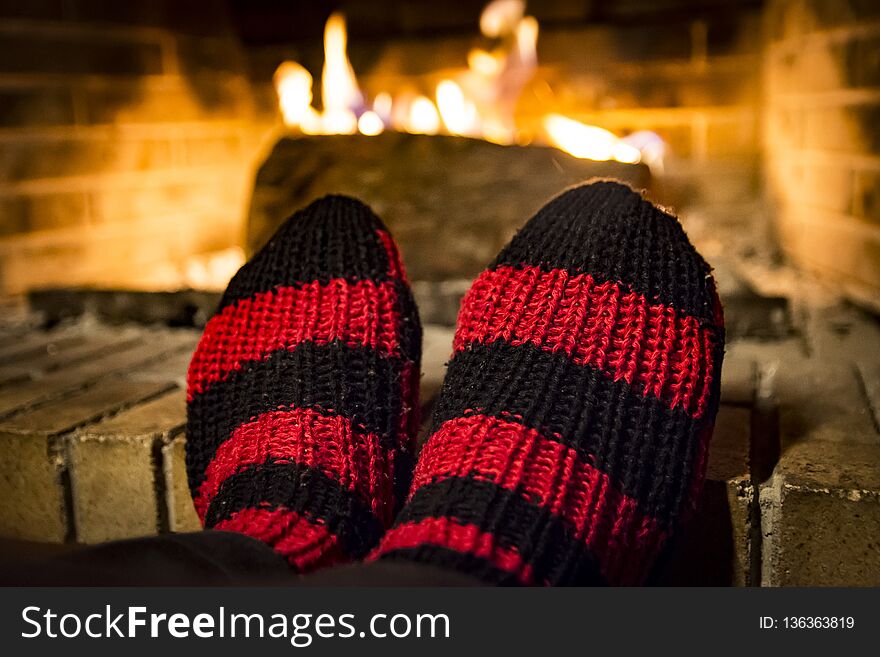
(443, 557)
(647, 448)
(307, 491)
(357, 383)
(410, 328)
(334, 237)
(609, 231)
(544, 540)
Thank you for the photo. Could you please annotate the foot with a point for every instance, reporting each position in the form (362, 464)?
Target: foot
(302, 393)
(570, 435)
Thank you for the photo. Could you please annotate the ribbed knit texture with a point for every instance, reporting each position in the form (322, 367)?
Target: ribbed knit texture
(571, 433)
(302, 393)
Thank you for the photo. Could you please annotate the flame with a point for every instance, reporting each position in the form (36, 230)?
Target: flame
(294, 85)
(484, 63)
(339, 88)
(480, 102)
(423, 117)
(588, 141)
(382, 105)
(458, 113)
(527, 40)
(370, 124)
(501, 17)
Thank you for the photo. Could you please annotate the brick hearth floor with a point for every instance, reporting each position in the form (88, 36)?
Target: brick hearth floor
(92, 419)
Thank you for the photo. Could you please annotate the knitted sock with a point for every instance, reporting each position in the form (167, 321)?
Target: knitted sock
(302, 393)
(571, 431)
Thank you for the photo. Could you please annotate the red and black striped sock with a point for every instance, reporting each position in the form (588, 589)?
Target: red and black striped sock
(302, 393)
(571, 432)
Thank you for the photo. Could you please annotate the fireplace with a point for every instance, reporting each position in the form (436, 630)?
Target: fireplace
(132, 137)
(149, 147)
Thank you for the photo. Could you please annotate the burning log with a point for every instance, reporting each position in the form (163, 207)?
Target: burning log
(451, 202)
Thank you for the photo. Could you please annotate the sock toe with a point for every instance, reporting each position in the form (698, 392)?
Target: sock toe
(334, 237)
(611, 232)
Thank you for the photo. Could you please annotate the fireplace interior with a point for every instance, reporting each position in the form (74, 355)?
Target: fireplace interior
(146, 148)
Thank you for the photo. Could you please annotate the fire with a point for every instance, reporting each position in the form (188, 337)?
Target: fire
(480, 102)
(588, 141)
(423, 117)
(339, 89)
(370, 124)
(458, 113)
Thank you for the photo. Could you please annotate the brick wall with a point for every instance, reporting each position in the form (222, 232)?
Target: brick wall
(822, 137)
(126, 138)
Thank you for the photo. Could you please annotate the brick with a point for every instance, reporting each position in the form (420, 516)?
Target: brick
(113, 470)
(168, 100)
(844, 249)
(82, 407)
(162, 417)
(37, 344)
(174, 197)
(843, 128)
(35, 9)
(735, 32)
(31, 213)
(57, 357)
(838, 13)
(636, 43)
(823, 66)
(673, 85)
(205, 56)
(71, 53)
(200, 152)
(31, 488)
(826, 524)
(866, 196)
(32, 108)
(69, 380)
(738, 377)
(208, 17)
(76, 157)
(865, 62)
(173, 369)
(827, 187)
(113, 488)
(821, 508)
(181, 512)
(785, 127)
(141, 253)
(839, 414)
(732, 137)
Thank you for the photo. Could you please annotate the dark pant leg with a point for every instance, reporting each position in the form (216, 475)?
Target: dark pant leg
(205, 558)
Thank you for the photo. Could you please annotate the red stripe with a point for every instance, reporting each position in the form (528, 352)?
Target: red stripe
(361, 314)
(551, 475)
(395, 264)
(305, 545)
(467, 539)
(600, 324)
(325, 442)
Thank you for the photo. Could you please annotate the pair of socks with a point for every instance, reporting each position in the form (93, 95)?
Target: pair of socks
(568, 442)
